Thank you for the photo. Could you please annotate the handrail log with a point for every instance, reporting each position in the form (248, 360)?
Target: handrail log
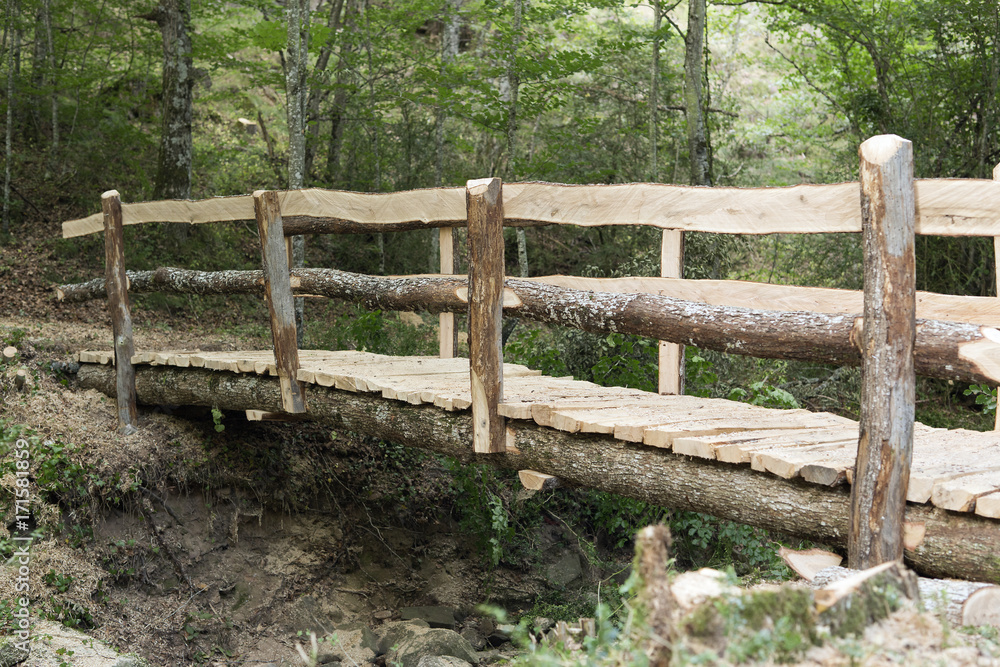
(960, 207)
(947, 350)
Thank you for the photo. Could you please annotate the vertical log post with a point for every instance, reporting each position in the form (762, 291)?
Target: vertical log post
(885, 445)
(446, 326)
(278, 293)
(996, 267)
(671, 354)
(484, 206)
(121, 317)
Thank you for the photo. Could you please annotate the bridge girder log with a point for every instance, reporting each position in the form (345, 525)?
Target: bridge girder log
(946, 350)
(954, 544)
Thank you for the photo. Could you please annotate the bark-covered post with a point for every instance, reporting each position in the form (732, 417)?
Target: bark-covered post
(278, 291)
(885, 445)
(446, 321)
(116, 283)
(484, 205)
(671, 366)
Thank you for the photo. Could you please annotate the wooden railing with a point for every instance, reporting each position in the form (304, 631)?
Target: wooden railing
(955, 339)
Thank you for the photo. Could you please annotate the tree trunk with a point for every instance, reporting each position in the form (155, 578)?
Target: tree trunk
(947, 350)
(319, 92)
(15, 46)
(339, 105)
(296, 94)
(53, 78)
(449, 51)
(173, 165)
(693, 98)
(956, 545)
(173, 169)
(654, 95)
(513, 86)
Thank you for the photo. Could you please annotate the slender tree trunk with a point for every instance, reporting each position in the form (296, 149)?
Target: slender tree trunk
(449, 51)
(376, 129)
(296, 93)
(173, 171)
(654, 95)
(333, 173)
(318, 93)
(47, 19)
(173, 168)
(513, 83)
(8, 135)
(693, 94)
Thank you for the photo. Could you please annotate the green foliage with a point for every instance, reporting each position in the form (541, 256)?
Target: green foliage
(986, 397)
(632, 364)
(534, 347)
(701, 540)
(60, 582)
(217, 417)
(487, 511)
(356, 328)
(765, 395)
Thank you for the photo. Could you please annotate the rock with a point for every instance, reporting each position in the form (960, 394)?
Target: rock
(565, 570)
(433, 642)
(385, 637)
(10, 654)
(130, 661)
(436, 617)
(345, 646)
(475, 639)
(442, 661)
(501, 635)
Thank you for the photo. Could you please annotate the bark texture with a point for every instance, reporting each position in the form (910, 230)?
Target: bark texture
(955, 545)
(121, 317)
(484, 201)
(816, 337)
(278, 289)
(888, 387)
(694, 64)
(173, 169)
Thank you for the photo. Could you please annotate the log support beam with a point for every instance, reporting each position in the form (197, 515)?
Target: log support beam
(888, 387)
(116, 282)
(954, 545)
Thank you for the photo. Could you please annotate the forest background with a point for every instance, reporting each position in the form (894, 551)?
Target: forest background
(187, 99)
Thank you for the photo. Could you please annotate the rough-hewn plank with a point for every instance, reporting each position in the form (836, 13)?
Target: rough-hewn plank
(446, 321)
(118, 305)
(957, 545)
(885, 442)
(280, 305)
(671, 355)
(945, 207)
(484, 201)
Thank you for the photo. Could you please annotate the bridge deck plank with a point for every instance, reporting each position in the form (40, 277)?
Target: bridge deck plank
(957, 470)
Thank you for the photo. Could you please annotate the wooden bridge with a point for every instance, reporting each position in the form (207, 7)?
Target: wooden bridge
(789, 470)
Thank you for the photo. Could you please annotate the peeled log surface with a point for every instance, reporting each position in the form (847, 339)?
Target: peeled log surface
(947, 350)
(948, 207)
(955, 545)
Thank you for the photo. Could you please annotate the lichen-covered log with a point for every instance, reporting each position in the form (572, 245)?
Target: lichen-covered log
(955, 545)
(947, 350)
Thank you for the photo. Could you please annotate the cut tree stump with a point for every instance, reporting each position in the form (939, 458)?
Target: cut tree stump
(851, 604)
